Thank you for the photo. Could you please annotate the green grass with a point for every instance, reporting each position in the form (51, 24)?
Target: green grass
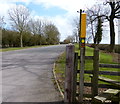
(104, 58)
(18, 48)
(60, 70)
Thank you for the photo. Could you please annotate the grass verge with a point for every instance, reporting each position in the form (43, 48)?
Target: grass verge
(19, 48)
(60, 70)
(104, 58)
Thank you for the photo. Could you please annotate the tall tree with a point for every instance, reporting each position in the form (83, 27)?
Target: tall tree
(75, 35)
(51, 33)
(98, 35)
(115, 13)
(2, 22)
(36, 28)
(95, 17)
(19, 16)
(76, 27)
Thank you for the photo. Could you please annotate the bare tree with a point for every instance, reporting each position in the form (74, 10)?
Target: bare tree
(75, 34)
(19, 16)
(93, 14)
(70, 39)
(2, 22)
(114, 13)
(51, 33)
(76, 25)
(36, 26)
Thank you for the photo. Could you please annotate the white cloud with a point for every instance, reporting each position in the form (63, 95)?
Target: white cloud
(14, 1)
(68, 5)
(63, 22)
(4, 7)
(63, 25)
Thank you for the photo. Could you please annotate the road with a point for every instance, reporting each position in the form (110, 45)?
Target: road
(27, 75)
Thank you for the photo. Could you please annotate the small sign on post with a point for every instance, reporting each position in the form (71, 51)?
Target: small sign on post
(83, 25)
(82, 55)
(83, 29)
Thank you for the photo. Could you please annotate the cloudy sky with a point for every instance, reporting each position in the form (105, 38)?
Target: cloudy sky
(60, 12)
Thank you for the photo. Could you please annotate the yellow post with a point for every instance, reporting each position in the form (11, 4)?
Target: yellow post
(83, 25)
(82, 56)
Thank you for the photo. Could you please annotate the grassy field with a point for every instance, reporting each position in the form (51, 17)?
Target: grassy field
(104, 58)
(18, 48)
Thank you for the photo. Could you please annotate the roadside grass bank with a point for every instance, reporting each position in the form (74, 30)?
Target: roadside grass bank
(105, 58)
(59, 70)
(106, 47)
(19, 48)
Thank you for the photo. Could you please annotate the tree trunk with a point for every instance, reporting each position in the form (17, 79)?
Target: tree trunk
(21, 40)
(112, 35)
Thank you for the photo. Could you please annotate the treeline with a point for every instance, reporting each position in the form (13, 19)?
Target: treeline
(27, 31)
(49, 36)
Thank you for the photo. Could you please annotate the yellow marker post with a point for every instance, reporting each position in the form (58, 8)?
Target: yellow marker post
(83, 29)
(83, 25)
(82, 55)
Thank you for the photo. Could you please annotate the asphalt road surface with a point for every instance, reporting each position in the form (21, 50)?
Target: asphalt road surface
(27, 75)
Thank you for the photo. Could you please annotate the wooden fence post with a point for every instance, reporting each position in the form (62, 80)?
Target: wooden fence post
(69, 73)
(95, 72)
(75, 78)
(82, 67)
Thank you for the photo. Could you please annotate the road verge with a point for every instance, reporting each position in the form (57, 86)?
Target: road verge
(56, 81)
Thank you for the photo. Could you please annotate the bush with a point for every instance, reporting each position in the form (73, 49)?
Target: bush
(106, 47)
(117, 49)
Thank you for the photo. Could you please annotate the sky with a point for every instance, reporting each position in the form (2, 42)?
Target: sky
(59, 12)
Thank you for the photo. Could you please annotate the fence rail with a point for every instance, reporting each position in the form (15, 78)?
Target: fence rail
(109, 65)
(72, 84)
(87, 57)
(114, 73)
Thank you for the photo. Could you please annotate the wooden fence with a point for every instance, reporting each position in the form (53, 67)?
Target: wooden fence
(72, 84)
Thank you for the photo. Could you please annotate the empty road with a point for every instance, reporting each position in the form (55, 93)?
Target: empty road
(27, 75)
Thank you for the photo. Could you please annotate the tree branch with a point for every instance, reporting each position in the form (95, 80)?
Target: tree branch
(117, 16)
(117, 12)
(112, 4)
(118, 5)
